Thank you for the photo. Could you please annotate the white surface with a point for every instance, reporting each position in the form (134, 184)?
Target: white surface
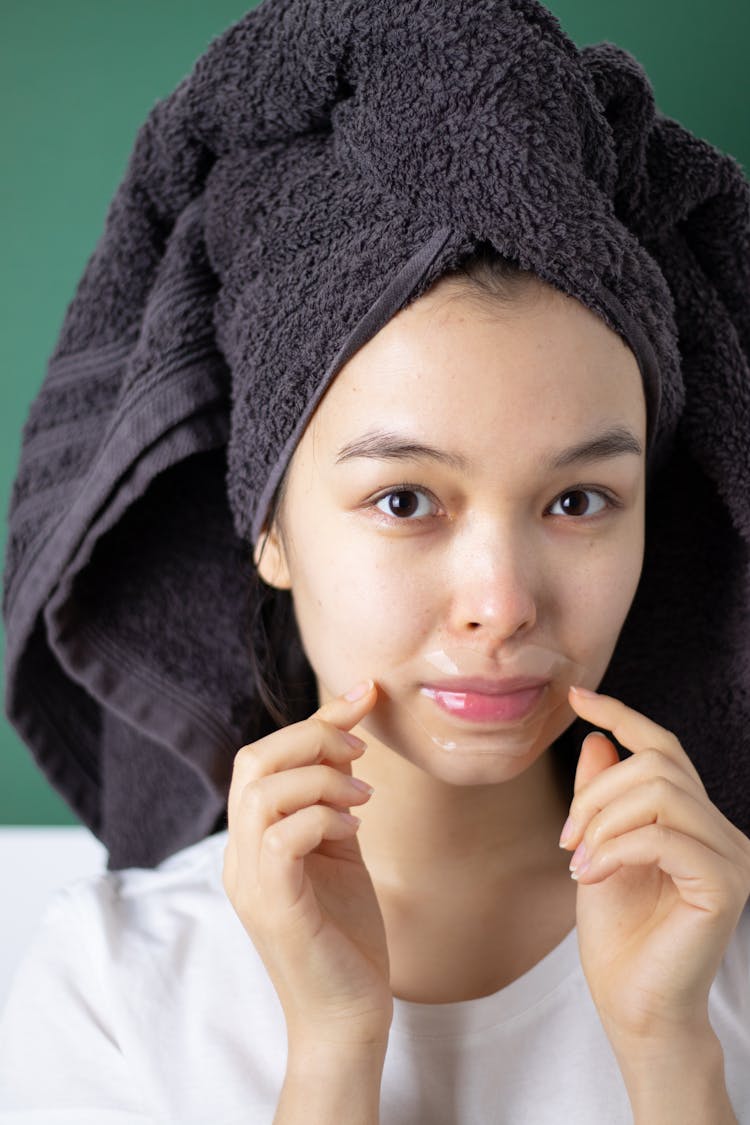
(34, 862)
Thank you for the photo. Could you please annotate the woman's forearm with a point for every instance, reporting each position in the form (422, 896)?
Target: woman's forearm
(322, 1086)
(681, 1080)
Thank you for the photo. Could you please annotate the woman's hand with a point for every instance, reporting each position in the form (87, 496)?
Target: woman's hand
(663, 880)
(294, 874)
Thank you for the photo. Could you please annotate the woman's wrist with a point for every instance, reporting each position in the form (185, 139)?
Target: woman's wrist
(332, 1082)
(680, 1078)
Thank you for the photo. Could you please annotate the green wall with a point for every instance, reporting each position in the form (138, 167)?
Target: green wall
(77, 78)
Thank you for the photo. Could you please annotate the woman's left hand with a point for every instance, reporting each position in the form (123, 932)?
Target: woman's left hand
(663, 881)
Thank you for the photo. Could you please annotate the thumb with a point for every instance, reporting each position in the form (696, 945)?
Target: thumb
(597, 753)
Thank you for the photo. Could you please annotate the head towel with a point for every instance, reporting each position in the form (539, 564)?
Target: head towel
(322, 165)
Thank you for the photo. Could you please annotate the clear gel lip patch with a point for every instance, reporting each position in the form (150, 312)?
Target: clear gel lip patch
(452, 731)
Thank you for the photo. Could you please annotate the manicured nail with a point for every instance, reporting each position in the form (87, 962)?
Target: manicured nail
(359, 784)
(354, 742)
(584, 692)
(579, 858)
(567, 832)
(358, 691)
(349, 818)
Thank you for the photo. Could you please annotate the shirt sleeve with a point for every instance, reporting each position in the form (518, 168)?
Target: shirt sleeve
(60, 1062)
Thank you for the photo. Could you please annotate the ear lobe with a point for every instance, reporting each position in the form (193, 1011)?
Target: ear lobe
(270, 560)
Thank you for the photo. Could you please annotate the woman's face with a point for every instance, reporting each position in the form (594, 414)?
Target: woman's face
(483, 553)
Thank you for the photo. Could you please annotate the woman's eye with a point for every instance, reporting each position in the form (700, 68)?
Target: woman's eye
(575, 502)
(405, 503)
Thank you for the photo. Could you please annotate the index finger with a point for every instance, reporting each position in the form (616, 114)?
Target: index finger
(630, 727)
(345, 710)
(323, 736)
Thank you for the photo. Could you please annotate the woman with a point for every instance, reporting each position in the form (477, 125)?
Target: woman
(454, 886)
(464, 479)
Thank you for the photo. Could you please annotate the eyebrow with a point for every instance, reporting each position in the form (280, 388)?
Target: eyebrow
(386, 445)
(602, 447)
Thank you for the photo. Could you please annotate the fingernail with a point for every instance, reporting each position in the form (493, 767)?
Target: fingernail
(359, 784)
(358, 691)
(567, 832)
(579, 857)
(356, 743)
(349, 818)
(584, 692)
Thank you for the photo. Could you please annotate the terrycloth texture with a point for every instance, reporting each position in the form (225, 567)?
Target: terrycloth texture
(323, 164)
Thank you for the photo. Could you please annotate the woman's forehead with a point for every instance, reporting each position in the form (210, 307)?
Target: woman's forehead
(449, 369)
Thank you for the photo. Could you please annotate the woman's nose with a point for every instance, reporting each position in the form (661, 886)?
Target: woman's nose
(493, 586)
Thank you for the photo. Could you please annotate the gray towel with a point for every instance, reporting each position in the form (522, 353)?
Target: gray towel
(321, 166)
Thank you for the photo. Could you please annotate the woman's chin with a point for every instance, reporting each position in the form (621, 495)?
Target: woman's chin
(483, 761)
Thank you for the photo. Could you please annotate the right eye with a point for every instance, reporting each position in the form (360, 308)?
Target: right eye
(403, 503)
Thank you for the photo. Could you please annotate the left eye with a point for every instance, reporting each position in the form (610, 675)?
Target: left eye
(404, 503)
(575, 502)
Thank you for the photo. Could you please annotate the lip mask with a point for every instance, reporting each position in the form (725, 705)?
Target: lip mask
(452, 732)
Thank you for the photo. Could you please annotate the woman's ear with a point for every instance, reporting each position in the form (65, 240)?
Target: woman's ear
(270, 560)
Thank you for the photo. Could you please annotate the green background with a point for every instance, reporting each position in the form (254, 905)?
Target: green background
(77, 79)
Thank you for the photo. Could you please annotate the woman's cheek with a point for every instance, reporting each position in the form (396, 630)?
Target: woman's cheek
(607, 594)
(357, 615)
(626, 567)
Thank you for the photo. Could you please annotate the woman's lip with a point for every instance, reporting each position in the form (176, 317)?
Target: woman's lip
(482, 706)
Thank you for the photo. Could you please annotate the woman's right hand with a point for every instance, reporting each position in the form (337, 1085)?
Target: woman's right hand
(294, 874)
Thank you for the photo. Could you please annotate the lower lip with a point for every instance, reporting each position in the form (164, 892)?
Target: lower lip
(479, 707)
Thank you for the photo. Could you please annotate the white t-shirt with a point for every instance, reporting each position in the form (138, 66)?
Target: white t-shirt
(142, 999)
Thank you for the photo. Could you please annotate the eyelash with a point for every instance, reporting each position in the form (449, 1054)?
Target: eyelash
(611, 501)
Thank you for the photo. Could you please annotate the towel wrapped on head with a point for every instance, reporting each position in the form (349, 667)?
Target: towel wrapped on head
(324, 163)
